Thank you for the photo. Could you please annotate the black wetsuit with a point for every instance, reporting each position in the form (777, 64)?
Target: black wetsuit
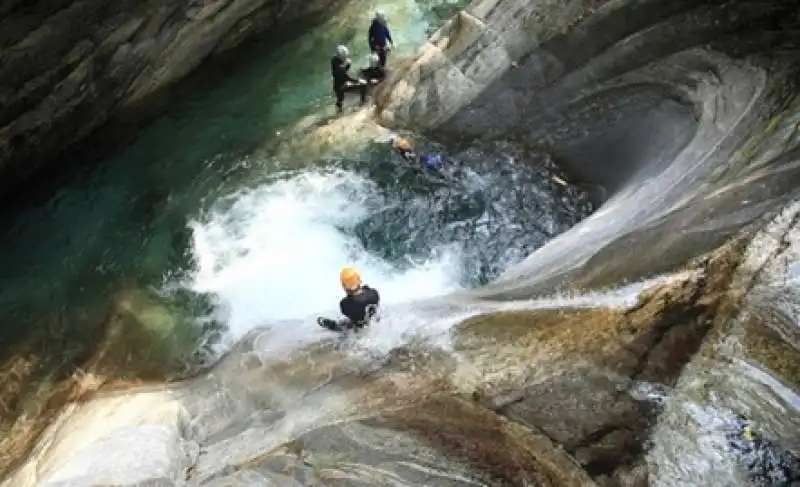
(343, 82)
(373, 75)
(379, 37)
(358, 308)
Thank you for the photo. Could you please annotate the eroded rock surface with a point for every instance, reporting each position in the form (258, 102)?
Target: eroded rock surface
(126, 349)
(67, 66)
(473, 49)
(745, 372)
(580, 365)
(545, 396)
(675, 110)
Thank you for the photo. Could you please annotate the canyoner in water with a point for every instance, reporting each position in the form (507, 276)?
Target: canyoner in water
(429, 164)
(359, 306)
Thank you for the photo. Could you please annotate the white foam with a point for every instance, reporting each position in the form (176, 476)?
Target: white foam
(274, 253)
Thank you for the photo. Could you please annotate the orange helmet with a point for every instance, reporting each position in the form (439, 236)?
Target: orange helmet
(350, 279)
(402, 144)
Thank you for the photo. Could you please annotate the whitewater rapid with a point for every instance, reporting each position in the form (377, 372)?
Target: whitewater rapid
(272, 254)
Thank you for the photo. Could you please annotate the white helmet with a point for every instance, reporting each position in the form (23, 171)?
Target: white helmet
(342, 51)
(374, 60)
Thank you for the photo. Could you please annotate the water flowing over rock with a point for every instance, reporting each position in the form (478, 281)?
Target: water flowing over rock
(685, 114)
(545, 396)
(68, 66)
(746, 372)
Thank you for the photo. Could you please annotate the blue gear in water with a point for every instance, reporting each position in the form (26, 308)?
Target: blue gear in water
(432, 161)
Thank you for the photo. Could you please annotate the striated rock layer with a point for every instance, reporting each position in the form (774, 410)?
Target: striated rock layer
(686, 114)
(68, 66)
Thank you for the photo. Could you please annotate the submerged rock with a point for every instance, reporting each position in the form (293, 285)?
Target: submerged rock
(136, 343)
(68, 66)
(141, 436)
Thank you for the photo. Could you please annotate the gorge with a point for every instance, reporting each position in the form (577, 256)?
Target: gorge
(607, 302)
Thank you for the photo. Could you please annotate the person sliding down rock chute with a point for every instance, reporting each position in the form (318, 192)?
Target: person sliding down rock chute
(360, 304)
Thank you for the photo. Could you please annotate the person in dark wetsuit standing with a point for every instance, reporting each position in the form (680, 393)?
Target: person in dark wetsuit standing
(361, 302)
(342, 81)
(379, 38)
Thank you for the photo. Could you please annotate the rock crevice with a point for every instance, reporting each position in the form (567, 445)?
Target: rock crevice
(590, 407)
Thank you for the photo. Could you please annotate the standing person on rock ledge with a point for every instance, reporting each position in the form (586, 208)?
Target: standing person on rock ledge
(380, 38)
(342, 81)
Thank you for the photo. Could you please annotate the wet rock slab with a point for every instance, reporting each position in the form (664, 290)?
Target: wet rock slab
(745, 373)
(535, 396)
(569, 373)
(65, 364)
(443, 441)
